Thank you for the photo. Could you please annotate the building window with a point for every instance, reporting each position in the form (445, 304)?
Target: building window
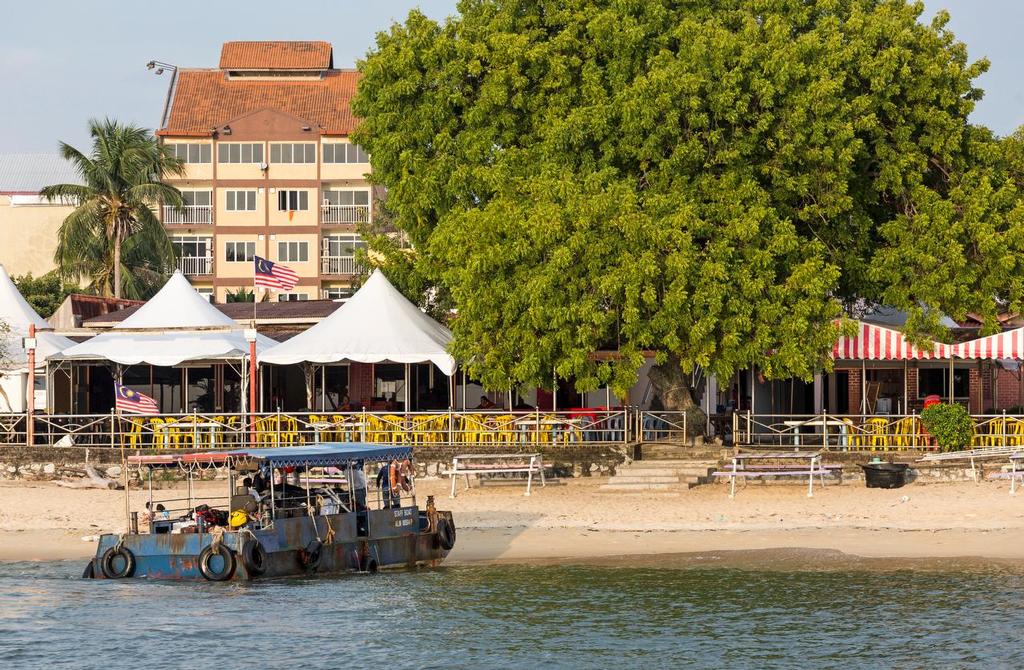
(293, 252)
(292, 297)
(298, 152)
(241, 201)
(935, 381)
(337, 152)
(195, 198)
(290, 201)
(239, 152)
(337, 293)
(190, 152)
(206, 293)
(346, 206)
(191, 246)
(342, 245)
(239, 252)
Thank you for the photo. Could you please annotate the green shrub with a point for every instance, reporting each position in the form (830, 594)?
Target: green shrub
(950, 425)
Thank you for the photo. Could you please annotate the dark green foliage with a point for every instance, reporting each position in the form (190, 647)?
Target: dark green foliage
(712, 181)
(44, 293)
(949, 424)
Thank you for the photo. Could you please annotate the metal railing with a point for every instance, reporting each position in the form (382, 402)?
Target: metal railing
(891, 432)
(344, 213)
(192, 266)
(338, 265)
(496, 429)
(188, 214)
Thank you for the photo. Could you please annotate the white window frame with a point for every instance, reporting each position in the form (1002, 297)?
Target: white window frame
(293, 197)
(293, 251)
(351, 154)
(231, 197)
(233, 244)
(190, 153)
(238, 152)
(285, 153)
(292, 297)
(337, 293)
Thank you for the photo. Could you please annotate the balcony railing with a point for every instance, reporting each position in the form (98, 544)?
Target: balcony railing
(344, 213)
(188, 214)
(192, 266)
(338, 265)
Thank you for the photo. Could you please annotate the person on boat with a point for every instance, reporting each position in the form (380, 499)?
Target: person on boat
(251, 490)
(162, 514)
(147, 516)
(385, 476)
(359, 485)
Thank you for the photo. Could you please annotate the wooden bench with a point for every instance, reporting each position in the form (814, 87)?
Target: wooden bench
(492, 464)
(813, 467)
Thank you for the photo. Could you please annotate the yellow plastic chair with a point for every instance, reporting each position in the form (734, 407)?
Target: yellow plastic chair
(132, 439)
(160, 440)
(1015, 432)
(876, 433)
(997, 433)
(907, 433)
(505, 431)
(475, 429)
(395, 426)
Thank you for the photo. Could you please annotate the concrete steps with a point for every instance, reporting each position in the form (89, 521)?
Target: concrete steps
(675, 474)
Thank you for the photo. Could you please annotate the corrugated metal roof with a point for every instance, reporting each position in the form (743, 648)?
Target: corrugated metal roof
(30, 173)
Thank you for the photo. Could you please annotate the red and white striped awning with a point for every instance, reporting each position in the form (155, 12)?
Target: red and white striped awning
(875, 343)
(994, 347)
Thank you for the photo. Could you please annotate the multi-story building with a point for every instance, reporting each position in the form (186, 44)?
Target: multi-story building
(270, 169)
(28, 222)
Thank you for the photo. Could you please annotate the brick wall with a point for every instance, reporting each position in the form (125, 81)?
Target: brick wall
(976, 396)
(360, 384)
(853, 389)
(1007, 390)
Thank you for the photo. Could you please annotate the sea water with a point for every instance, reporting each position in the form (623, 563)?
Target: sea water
(663, 614)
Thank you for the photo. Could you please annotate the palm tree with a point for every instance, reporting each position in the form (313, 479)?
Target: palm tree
(113, 238)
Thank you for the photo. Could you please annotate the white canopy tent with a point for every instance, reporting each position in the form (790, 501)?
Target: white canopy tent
(376, 325)
(175, 327)
(18, 315)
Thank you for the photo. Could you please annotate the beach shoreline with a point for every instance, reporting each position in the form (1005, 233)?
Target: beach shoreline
(576, 522)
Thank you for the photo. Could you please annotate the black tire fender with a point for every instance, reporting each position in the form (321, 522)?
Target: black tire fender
(254, 558)
(445, 534)
(107, 563)
(90, 570)
(311, 556)
(229, 563)
(368, 565)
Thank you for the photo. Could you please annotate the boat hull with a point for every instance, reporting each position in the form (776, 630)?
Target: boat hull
(302, 545)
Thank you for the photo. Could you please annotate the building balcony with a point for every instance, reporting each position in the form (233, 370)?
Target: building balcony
(344, 213)
(188, 215)
(196, 266)
(338, 265)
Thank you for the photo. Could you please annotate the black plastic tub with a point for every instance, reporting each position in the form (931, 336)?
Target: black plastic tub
(885, 475)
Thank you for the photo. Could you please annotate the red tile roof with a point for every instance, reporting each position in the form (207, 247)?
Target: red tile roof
(205, 99)
(276, 56)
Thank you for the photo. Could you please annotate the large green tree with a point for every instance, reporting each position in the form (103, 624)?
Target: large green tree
(113, 240)
(714, 181)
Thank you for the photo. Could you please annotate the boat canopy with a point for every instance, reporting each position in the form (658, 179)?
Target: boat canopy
(317, 455)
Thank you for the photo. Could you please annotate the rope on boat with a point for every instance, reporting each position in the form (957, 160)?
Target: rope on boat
(217, 533)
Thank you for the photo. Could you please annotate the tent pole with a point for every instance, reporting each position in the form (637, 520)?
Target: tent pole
(863, 387)
(906, 394)
(554, 391)
(408, 393)
(463, 389)
(323, 388)
(951, 380)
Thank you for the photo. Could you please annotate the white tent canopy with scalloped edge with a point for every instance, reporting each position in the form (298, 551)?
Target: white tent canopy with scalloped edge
(376, 325)
(18, 315)
(175, 326)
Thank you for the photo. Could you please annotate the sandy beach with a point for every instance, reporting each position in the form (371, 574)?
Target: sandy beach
(575, 521)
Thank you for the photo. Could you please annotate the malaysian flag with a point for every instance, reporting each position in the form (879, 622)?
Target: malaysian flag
(275, 275)
(133, 402)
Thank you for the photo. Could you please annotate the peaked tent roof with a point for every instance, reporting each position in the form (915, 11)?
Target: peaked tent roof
(18, 315)
(378, 324)
(175, 326)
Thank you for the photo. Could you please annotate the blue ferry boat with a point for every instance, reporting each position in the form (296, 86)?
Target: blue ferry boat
(288, 511)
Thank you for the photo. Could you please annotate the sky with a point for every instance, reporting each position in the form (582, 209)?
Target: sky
(63, 62)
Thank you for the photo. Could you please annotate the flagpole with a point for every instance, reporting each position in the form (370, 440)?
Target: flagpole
(251, 336)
